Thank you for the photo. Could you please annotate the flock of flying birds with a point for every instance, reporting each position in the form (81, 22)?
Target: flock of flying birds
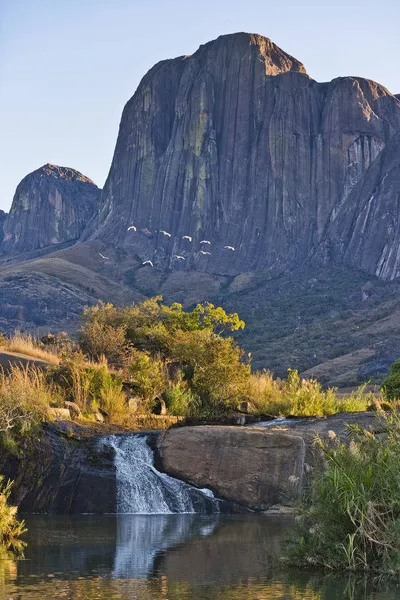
(175, 256)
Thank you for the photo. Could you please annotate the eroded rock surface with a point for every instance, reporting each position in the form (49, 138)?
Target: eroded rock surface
(250, 467)
(51, 205)
(238, 146)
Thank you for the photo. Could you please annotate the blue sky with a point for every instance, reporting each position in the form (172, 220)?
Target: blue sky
(67, 67)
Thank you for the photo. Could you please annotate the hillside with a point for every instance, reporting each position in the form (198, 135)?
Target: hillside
(236, 179)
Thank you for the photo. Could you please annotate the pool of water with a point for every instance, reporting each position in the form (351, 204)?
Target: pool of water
(166, 557)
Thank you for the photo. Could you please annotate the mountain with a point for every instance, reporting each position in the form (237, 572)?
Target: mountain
(51, 206)
(246, 183)
(237, 145)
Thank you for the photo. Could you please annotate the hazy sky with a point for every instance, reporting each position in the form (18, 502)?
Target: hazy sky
(67, 67)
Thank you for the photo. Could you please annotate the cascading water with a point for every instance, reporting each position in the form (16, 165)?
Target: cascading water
(141, 489)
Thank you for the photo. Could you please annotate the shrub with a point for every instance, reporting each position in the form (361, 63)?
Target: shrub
(11, 528)
(179, 400)
(98, 339)
(149, 376)
(213, 369)
(350, 515)
(391, 385)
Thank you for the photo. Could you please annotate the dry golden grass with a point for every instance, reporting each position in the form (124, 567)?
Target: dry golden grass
(26, 344)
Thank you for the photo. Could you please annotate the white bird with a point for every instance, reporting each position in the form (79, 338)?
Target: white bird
(205, 242)
(102, 256)
(165, 233)
(203, 252)
(230, 248)
(148, 262)
(132, 227)
(187, 237)
(179, 257)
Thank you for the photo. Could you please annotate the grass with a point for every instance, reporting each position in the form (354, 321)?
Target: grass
(349, 518)
(301, 397)
(26, 344)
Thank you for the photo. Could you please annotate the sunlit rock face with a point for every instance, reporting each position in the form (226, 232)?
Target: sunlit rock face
(51, 205)
(238, 146)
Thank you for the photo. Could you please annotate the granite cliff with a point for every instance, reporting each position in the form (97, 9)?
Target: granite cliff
(52, 205)
(238, 146)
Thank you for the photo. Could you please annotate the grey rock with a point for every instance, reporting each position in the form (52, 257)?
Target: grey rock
(250, 467)
(237, 145)
(51, 206)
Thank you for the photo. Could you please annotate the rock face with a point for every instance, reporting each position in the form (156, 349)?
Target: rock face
(51, 205)
(3, 216)
(237, 145)
(63, 476)
(250, 467)
(365, 230)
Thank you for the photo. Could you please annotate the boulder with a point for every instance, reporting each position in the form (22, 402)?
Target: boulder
(73, 408)
(253, 468)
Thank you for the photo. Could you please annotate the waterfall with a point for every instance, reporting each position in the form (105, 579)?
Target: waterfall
(141, 489)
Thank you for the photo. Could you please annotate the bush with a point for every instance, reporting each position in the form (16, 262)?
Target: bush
(11, 528)
(391, 385)
(179, 400)
(350, 516)
(149, 375)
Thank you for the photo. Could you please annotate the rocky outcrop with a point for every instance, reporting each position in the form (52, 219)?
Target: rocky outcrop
(61, 473)
(3, 216)
(250, 467)
(51, 205)
(237, 145)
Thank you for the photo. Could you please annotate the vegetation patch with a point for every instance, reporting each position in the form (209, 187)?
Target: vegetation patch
(350, 514)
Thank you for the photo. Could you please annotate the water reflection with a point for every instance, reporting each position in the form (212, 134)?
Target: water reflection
(165, 557)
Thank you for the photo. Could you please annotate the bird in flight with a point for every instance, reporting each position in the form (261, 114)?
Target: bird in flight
(132, 227)
(148, 262)
(165, 233)
(179, 257)
(205, 242)
(203, 252)
(102, 256)
(187, 237)
(230, 248)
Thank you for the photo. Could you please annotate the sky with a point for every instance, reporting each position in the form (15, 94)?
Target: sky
(67, 67)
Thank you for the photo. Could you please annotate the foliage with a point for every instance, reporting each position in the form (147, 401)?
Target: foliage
(148, 325)
(11, 528)
(350, 515)
(213, 367)
(100, 339)
(149, 376)
(179, 400)
(391, 385)
(25, 398)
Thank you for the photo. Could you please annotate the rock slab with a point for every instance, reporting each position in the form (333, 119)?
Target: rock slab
(251, 468)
